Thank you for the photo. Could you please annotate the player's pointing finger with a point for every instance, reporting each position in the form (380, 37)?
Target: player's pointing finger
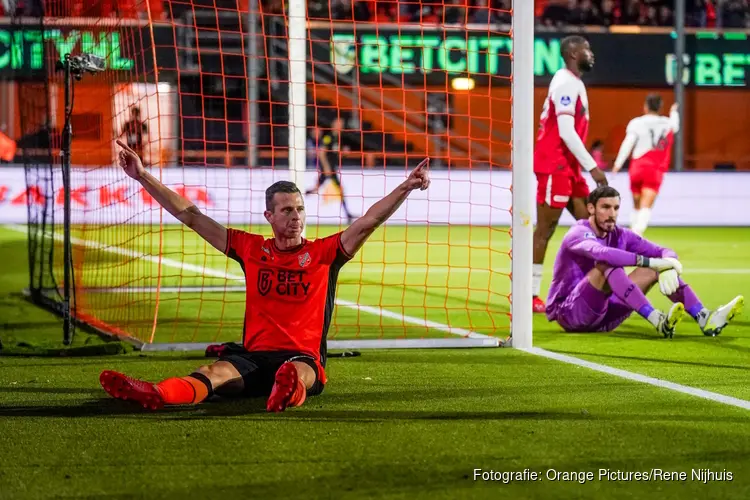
(124, 146)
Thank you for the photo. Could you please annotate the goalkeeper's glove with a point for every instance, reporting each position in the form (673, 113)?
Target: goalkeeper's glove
(668, 282)
(659, 264)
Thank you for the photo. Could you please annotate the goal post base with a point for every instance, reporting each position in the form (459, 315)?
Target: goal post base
(334, 345)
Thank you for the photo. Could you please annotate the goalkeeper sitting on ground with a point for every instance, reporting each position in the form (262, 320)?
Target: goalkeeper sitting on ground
(290, 291)
(590, 291)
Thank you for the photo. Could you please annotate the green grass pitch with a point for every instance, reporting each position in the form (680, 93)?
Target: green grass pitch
(396, 424)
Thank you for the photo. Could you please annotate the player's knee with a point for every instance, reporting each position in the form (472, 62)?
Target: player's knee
(602, 267)
(306, 373)
(598, 276)
(217, 373)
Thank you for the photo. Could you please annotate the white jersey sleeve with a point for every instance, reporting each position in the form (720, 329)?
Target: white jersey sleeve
(674, 121)
(631, 137)
(565, 94)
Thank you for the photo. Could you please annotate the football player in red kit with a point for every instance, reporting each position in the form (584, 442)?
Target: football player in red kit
(290, 292)
(648, 139)
(560, 153)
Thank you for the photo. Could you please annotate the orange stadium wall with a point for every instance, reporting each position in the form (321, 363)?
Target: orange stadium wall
(715, 124)
(91, 120)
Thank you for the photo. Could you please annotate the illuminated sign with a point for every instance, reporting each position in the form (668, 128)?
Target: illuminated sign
(710, 70)
(423, 53)
(389, 56)
(24, 49)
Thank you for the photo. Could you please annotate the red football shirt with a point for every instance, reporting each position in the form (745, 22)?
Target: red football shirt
(289, 293)
(567, 96)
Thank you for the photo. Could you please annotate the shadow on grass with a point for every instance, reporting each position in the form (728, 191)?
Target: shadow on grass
(327, 409)
(50, 390)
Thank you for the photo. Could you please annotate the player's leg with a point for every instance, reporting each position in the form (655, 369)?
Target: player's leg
(635, 189)
(577, 208)
(292, 382)
(585, 308)
(579, 193)
(337, 180)
(711, 322)
(630, 295)
(192, 389)
(553, 194)
(321, 179)
(646, 202)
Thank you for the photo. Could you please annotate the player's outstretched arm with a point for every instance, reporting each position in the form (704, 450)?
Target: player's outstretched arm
(355, 235)
(674, 117)
(625, 149)
(184, 210)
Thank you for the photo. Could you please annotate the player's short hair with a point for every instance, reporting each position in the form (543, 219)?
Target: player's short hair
(602, 192)
(279, 187)
(569, 44)
(653, 102)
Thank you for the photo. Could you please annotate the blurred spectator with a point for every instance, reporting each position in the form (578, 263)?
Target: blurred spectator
(608, 17)
(597, 152)
(345, 10)
(733, 13)
(584, 13)
(556, 13)
(481, 13)
(665, 16)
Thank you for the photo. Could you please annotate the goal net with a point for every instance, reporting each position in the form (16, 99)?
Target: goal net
(223, 98)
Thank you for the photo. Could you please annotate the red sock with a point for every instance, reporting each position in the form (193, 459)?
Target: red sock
(299, 395)
(185, 390)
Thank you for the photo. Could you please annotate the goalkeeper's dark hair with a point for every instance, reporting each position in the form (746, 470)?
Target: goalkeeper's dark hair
(653, 102)
(569, 44)
(602, 192)
(279, 187)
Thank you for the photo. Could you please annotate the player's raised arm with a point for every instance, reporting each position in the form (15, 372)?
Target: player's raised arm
(674, 118)
(355, 235)
(626, 148)
(184, 210)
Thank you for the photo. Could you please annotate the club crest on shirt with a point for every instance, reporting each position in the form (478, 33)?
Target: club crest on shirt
(265, 281)
(589, 235)
(565, 100)
(304, 259)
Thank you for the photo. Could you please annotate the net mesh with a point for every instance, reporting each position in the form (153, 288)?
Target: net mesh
(201, 90)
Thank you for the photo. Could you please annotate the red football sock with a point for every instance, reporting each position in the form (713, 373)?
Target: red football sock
(185, 390)
(299, 395)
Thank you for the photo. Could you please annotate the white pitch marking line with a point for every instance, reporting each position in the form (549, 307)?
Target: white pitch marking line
(636, 377)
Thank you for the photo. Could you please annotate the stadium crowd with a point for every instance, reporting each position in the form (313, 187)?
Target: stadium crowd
(700, 13)
(554, 13)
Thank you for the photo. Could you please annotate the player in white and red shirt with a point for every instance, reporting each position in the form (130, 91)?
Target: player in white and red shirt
(649, 140)
(560, 152)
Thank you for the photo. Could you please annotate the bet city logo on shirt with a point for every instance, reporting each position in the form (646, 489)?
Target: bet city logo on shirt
(283, 282)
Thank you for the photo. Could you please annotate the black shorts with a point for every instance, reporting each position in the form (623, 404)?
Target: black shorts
(258, 369)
